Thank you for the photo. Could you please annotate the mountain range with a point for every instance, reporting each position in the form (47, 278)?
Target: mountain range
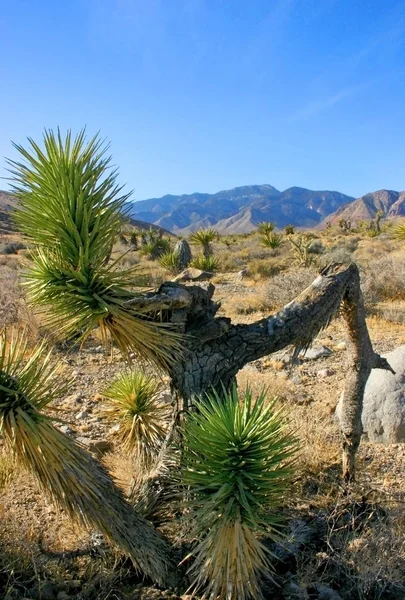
(240, 210)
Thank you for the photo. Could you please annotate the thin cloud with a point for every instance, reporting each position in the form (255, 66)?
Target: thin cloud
(314, 108)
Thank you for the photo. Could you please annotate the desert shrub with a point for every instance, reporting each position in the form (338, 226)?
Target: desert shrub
(316, 247)
(7, 468)
(383, 279)
(289, 229)
(205, 263)
(12, 307)
(236, 467)
(11, 247)
(134, 404)
(262, 269)
(284, 287)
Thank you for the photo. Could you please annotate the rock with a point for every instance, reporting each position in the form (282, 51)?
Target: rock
(65, 429)
(340, 346)
(192, 274)
(323, 373)
(63, 596)
(243, 274)
(384, 401)
(292, 591)
(316, 352)
(99, 447)
(47, 590)
(325, 593)
(296, 379)
(81, 415)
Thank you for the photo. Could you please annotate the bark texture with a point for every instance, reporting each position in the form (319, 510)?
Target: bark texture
(215, 349)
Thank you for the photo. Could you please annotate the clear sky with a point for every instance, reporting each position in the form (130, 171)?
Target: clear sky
(204, 95)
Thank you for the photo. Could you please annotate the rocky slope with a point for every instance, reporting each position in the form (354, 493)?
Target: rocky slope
(239, 210)
(391, 203)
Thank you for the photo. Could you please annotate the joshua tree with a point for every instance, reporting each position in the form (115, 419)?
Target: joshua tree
(289, 229)
(345, 225)
(378, 216)
(70, 209)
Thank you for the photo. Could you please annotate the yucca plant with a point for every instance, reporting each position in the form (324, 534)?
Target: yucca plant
(143, 419)
(289, 229)
(204, 237)
(272, 240)
(236, 466)
(171, 262)
(154, 248)
(205, 263)
(68, 473)
(266, 227)
(70, 207)
(399, 232)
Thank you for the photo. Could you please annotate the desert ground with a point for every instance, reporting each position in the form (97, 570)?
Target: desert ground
(343, 541)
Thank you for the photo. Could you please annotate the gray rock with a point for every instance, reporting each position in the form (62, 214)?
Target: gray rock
(81, 415)
(323, 373)
(316, 352)
(326, 593)
(192, 274)
(383, 415)
(65, 429)
(47, 590)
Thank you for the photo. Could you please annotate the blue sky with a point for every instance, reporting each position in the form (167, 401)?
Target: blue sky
(204, 95)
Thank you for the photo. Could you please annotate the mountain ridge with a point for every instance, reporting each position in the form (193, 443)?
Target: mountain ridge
(239, 209)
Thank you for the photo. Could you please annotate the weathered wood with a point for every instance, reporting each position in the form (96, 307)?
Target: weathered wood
(215, 349)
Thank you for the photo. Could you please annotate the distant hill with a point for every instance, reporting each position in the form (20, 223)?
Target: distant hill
(391, 203)
(239, 210)
(8, 203)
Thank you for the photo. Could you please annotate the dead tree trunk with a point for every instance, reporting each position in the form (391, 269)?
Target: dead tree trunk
(215, 349)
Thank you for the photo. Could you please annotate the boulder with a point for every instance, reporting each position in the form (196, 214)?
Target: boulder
(192, 274)
(316, 352)
(383, 415)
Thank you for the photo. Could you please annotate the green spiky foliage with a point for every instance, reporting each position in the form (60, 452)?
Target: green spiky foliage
(155, 247)
(204, 237)
(289, 229)
(205, 263)
(236, 465)
(71, 209)
(143, 419)
(68, 473)
(266, 227)
(171, 262)
(399, 232)
(272, 240)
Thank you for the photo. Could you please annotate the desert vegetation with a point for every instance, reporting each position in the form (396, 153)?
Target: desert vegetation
(184, 454)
